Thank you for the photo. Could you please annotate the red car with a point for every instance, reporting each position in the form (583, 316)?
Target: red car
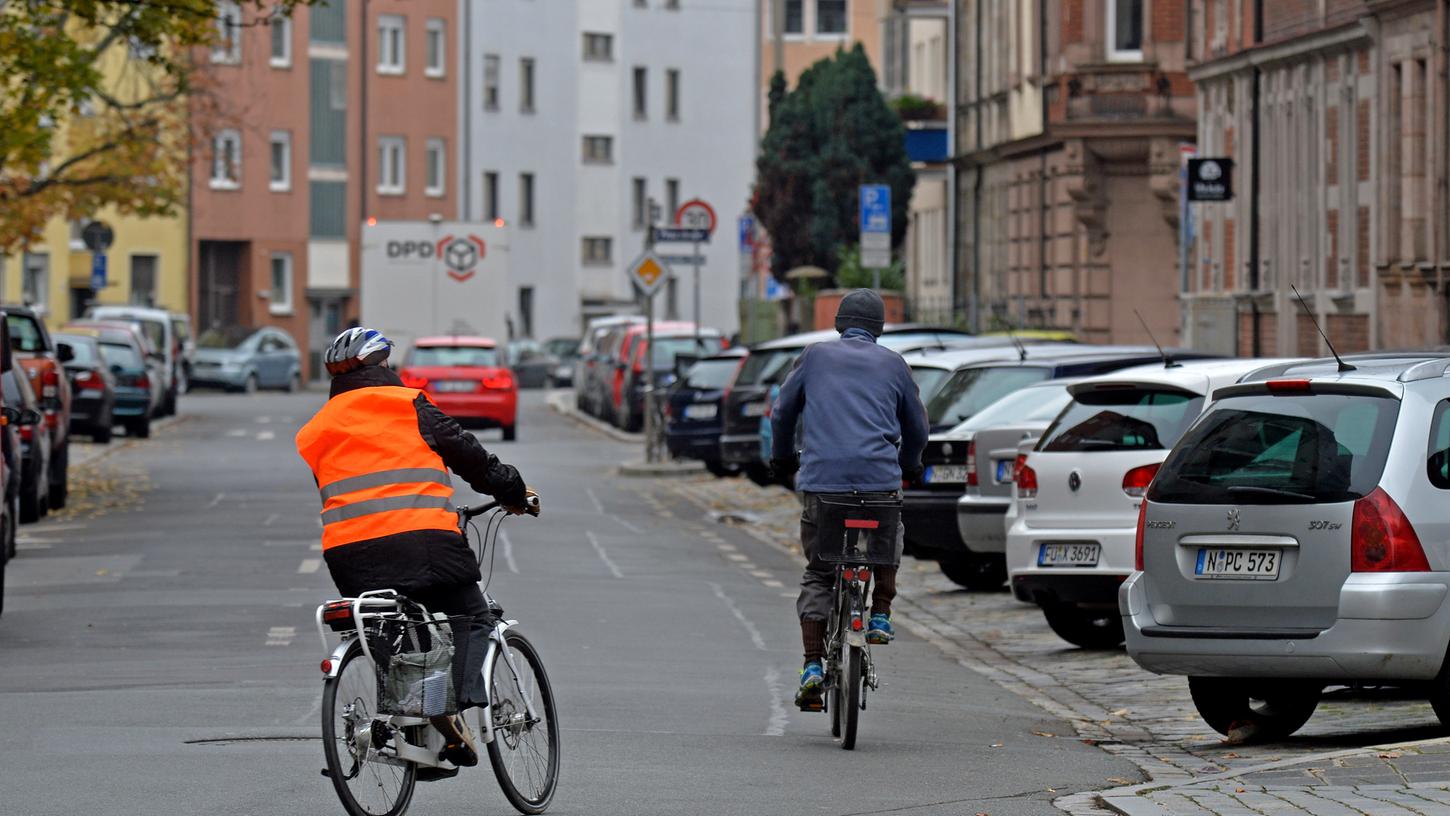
(467, 378)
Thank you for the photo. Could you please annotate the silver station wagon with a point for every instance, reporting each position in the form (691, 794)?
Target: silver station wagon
(1297, 537)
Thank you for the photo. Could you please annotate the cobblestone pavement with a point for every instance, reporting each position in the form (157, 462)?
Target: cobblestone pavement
(1362, 753)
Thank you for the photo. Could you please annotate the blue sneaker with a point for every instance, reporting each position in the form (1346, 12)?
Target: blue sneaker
(813, 679)
(879, 631)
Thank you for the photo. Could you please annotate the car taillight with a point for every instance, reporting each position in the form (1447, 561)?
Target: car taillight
(972, 463)
(413, 381)
(1288, 386)
(1382, 539)
(1136, 481)
(1025, 477)
(498, 381)
(50, 384)
(27, 432)
(1138, 539)
(143, 381)
(86, 379)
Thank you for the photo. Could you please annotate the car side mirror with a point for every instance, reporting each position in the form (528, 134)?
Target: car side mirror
(64, 352)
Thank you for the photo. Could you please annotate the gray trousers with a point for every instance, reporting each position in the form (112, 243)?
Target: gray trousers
(819, 579)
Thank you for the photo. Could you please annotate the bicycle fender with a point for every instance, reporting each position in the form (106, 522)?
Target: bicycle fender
(857, 639)
(334, 663)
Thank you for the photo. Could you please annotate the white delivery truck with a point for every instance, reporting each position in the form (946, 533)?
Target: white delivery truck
(423, 279)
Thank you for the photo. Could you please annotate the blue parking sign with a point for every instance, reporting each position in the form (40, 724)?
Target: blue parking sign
(98, 271)
(875, 208)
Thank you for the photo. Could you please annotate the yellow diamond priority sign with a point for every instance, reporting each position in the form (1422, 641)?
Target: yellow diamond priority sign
(649, 273)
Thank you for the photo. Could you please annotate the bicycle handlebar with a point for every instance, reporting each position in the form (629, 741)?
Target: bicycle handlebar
(465, 512)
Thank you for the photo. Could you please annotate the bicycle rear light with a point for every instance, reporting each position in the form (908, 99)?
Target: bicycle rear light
(338, 615)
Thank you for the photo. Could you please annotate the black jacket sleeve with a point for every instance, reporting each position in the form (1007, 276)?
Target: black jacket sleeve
(463, 455)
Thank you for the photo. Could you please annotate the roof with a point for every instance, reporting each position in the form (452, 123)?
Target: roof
(664, 327)
(1400, 366)
(456, 341)
(614, 320)
(1196, 376)
(953, 358)
(147, 312)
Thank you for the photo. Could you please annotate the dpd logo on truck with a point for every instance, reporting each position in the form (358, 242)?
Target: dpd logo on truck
(461, 255)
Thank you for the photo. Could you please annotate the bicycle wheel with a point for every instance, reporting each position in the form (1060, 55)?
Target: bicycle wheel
(850, 696)
(835, 641)
(367, 783)
(525, 750)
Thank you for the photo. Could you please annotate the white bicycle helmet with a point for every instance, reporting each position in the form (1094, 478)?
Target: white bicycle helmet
(356, 348)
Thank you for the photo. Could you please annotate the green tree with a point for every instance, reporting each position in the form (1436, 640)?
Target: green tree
(830, 134)
(93, 104)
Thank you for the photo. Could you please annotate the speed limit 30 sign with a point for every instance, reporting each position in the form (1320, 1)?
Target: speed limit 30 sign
(696, 214)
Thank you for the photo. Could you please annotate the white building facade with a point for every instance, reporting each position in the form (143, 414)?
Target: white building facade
(576, 113)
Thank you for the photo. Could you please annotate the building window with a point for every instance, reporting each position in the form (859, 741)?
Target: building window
(490, 81)
(281, 297)
(280, 179)
(597, 250)
(795, 17)
(435, 39)
(228, 46)
(639, 203)
(598, 47)
(490, 196)
(226, 160)
(526, 199)
(143, 280)
(526, 310)
(391, 43)
(1125, 30)
(831, 17)
(435, 166)
(526, 84)
(641, 93)
(598, 149)
(672, 197)
(280, 30)
(392, 165)
(35, 280)
(672, 94)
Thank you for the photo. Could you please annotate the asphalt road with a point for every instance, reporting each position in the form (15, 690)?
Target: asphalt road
(158, 654)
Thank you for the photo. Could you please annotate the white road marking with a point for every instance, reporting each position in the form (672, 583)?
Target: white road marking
(762, 573)
(263, 436)
(216, 500)
(726, 547)
(281, 635)
(270, 519)
(237, 432)
(46, 528)
(263, 420)
(735, 556)
(626, 525)
(310, 565)
(774, 584)
(508, 552)
(22, 544)
(740, 616)
(746, 565)
(790, 594)
(598, 505)
(317, 545)
(775, 727)
(604, 556)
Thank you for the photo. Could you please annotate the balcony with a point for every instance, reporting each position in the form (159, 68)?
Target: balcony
(926, 142)
(1115, 92)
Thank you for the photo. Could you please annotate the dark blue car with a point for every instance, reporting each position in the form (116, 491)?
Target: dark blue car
(692, 409)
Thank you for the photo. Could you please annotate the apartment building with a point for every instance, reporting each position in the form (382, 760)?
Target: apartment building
(307, 126)
(1335, 114)
(1070, 118)
(578, 114)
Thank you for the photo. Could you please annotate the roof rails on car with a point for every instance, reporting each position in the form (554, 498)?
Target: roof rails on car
(1431, 357)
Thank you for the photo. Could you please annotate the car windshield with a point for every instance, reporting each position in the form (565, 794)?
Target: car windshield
(767, 367)
(971, 389)
(565, 348)
(1039, 404)
(451, 356)
(228, 338)
(116, 354)
(154, 330)
(709, 375)
(24, 333)
(928, 380)
(84, 349)
(1280, 449)
(1122, 419)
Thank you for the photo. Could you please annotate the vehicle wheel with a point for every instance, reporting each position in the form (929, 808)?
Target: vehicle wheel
(1085, 628)
(102, 433)
(60, 479)
(294, 383)
(139, 428)
(510, 433)
(759, 472)
(366, 786)
(29, 506)
(525, 750)
(168, 405)
(976, 572)
(2, 578)
(250, 386)
(12, 537)
(1254, 710)
(717, 468)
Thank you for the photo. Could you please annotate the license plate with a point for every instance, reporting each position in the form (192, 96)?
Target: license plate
(1252, 565)
(1071, 554)
(1004, 471)
(946, 474)
(454, 386)
(700, 411)
(753, 409)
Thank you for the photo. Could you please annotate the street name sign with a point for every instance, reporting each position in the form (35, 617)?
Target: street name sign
(687, 235)
(649, 272)
(683, 260)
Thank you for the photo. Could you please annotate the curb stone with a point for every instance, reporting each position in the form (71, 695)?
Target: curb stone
(563, 404)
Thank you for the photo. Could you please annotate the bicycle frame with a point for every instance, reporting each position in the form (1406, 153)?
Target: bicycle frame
(848, 605)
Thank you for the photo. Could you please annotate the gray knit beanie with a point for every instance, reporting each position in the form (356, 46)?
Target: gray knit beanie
(861, 309)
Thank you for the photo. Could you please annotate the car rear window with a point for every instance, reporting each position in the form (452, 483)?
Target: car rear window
(464, 356)
(84, 349)
(767, 367)
(971, 389)
(24, 333)
(1262, 449)
(666, 348)
(116, 354)
(1038, 404)
(1121, 420)
(928, 379)
(711, 374)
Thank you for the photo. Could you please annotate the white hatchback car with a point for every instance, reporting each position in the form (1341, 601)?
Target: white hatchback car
(1070, 545)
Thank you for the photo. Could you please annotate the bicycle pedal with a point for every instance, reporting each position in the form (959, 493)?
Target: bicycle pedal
(818, 705)
(327, 773)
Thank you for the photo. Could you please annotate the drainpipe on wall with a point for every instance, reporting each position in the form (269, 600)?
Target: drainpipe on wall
(1042, 183)
(465, 149)
(1255, 343)
(976, 300)
(952, 146)
(362, 153)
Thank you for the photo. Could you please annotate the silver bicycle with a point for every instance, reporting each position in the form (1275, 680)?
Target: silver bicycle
(373, 759)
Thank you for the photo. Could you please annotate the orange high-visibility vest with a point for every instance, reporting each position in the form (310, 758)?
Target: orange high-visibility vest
(376, 474)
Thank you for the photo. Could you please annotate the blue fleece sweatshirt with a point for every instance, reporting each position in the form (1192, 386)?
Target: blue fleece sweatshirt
(862, 421)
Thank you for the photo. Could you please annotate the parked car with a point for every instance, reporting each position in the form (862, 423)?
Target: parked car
(659, 359)
(14, 416)
(186, 338)
(1296, 538)
(692, 409)
(1071, 545)
(34, 350)
(244, 359)
(932, 531)
(467, 379)
(618, 347)
(530, 362)
(589, 364)
(35, 447)
(93, 387)
(139, 380)
(157, 325)
(565, 351)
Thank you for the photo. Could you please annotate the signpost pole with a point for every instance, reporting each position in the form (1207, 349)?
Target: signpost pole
(651, 451)
(698, 347)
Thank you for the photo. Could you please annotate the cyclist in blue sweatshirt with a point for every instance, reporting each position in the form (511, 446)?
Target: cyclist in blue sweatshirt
(863, 429)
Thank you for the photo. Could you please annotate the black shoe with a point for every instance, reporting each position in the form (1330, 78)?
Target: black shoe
(434, 774)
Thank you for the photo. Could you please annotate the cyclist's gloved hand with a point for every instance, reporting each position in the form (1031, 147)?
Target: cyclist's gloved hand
(783, 469)
(532, 505)
(911, 477)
